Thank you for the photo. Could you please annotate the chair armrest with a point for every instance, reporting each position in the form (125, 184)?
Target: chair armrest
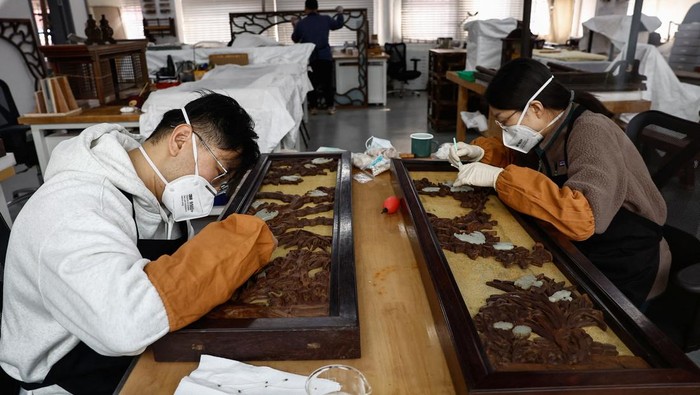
(689, 278)
(415, 63)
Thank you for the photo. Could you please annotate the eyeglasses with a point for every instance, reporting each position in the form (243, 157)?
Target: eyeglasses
(223, 172)
(501, 125)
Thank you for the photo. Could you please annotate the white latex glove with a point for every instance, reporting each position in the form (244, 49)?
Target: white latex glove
(477, 174)
(465, 152)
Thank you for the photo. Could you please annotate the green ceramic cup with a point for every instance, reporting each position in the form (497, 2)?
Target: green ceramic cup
(422, 144)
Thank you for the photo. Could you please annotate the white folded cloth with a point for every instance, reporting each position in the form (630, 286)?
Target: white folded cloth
(216, 376)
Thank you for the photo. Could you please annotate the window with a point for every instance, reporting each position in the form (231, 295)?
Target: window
(337, 37)
(126, 21)
(40, 12)
(430, 19)
(207, 20)
(132, 18)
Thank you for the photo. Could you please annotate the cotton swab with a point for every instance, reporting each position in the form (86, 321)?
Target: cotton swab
(454, 140)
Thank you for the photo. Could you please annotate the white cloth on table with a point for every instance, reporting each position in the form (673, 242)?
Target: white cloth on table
(616, 29)
(484, 44)
(297, 53)
(248, 40)
(272, 94)
(217, 376)
(665, 91)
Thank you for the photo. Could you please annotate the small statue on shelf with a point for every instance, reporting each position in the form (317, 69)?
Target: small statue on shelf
(93, 32)
(107, 30)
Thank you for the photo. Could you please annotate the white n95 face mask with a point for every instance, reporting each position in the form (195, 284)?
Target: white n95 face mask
(187, 197)
(523, 138)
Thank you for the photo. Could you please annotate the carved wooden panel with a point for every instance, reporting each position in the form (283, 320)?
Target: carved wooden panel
(477, 298)
(265, 326)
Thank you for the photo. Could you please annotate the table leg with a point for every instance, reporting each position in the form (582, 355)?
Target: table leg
(4, 210)
(462, 97)
(42, 151)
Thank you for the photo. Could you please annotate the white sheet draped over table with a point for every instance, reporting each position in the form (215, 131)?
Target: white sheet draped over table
(272, 89)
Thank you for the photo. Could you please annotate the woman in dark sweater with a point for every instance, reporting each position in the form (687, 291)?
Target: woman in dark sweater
(563, 160)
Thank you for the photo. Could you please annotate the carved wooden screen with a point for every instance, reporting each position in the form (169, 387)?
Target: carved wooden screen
(21, 35)
(355, 20)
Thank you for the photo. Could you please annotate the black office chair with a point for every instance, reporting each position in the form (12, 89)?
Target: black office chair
(16, 139)
(679, 151)
(677, 310)
(396, 67)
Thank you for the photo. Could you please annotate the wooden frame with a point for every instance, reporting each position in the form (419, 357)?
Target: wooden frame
(228, 58)
(671, 371)
(334, 336)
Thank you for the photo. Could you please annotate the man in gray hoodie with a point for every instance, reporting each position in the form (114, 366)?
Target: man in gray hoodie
(96, 268)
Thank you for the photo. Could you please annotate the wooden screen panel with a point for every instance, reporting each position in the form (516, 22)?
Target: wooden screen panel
(665, 369)
(332, 336)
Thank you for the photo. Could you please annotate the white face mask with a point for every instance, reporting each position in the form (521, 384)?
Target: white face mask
(187, 197)
(523, 138)
(376, 142)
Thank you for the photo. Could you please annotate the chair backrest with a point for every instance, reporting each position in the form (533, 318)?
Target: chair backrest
(8, 109)
(693, 14)
(687, 147)
(397, 58)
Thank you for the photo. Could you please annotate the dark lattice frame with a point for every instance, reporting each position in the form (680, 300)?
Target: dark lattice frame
(20, 34)
(355, 19)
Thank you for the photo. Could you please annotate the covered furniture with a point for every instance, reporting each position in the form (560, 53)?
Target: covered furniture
(271, 88)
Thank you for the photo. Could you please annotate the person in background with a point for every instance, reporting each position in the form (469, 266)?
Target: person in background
(102, 260)
(563, 160)
(314, 28)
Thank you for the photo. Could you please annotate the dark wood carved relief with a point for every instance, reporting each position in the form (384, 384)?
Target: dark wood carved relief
(355, 20)
(21, 35)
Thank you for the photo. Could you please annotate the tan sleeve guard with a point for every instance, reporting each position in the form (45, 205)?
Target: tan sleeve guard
(208, 268)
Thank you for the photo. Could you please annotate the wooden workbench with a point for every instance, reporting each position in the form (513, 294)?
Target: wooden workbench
(401, 352)
(42, 126)
(479, 87)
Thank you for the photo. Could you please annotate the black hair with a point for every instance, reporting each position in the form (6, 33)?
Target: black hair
(221, 122)
(311, 5)
(516, 82)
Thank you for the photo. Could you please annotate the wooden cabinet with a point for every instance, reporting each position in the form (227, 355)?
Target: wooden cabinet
(102, 73)
(442, 94)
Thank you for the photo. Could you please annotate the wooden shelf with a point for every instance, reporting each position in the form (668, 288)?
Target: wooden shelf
(442, 94)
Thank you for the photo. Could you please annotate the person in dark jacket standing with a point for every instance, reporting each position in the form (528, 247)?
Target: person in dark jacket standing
(314, 28)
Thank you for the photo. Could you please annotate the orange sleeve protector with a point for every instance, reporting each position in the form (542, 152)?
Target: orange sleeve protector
(533, 193)
(208, 268)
